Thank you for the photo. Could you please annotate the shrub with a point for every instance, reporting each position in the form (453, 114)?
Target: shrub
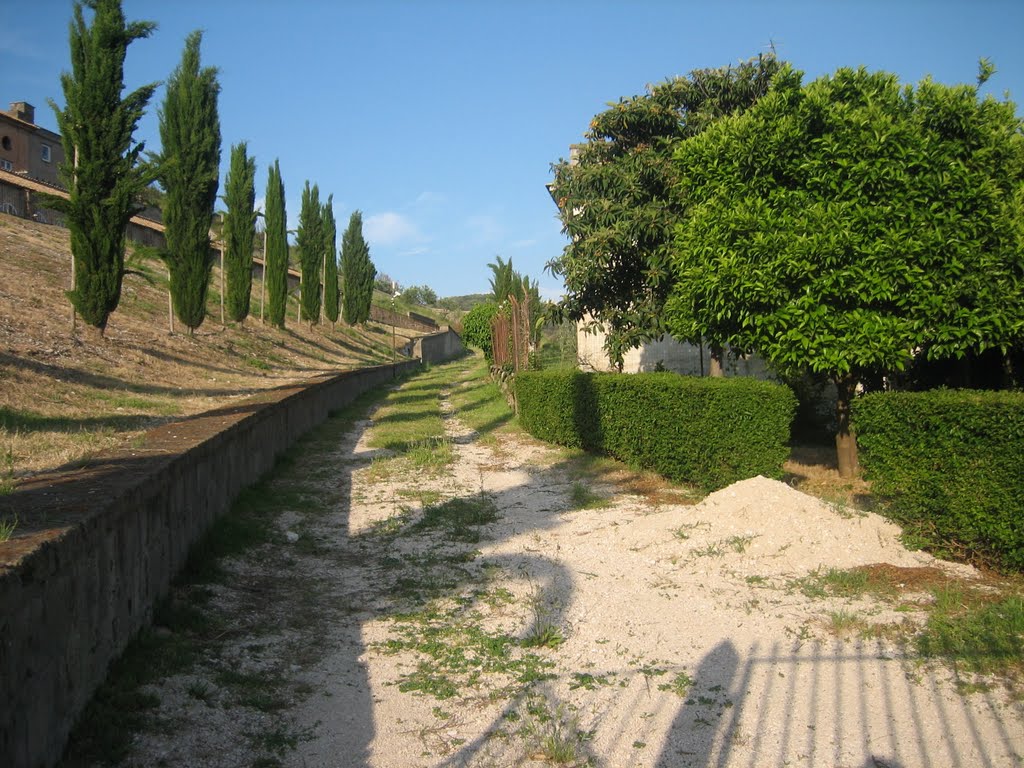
(711, 432)
(950, 464)
(476, 327)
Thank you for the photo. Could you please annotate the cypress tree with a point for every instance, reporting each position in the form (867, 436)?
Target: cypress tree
(239, 230)
(330, 229)
(357, 272)
(101, 167)
(275, 265)
(368, 275)
(189, 173)
(310, 242)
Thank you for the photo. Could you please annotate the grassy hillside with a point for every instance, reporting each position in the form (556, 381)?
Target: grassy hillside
(69, 394)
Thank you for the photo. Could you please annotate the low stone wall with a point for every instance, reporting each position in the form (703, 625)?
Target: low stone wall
(96, 547)
(438, 347)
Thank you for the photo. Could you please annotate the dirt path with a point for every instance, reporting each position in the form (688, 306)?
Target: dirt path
(506, 627)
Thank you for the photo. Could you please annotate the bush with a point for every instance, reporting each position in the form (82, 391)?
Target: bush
(950, 464)
(476, 328)
(710, 432)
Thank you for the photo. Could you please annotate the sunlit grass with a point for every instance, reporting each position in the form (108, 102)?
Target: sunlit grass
(975, 631)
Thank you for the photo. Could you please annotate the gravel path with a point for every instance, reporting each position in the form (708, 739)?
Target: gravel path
(676, 635)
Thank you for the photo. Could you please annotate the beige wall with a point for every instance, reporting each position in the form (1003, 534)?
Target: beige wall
(673, 356)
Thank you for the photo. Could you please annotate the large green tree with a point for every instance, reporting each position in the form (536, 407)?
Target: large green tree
(275, 264)
(189, 171)
(310, 242)
(101, 166)
(330, 230)
(357, 272)
(239, 230)
(850, 225)
(613, 196)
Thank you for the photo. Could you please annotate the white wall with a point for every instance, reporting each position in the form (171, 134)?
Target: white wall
(673, 355)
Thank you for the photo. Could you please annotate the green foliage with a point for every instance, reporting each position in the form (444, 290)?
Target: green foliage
(275, 267)
(476, 328)
(951, 464)
(614, 203)
(422, 295)
(330, 230)
(101, 166)
(188, 169)
(357, 271)
(506, 282)
(711, 432)
(984, 636)
(840, 226)
(239, 230)
(310, 242)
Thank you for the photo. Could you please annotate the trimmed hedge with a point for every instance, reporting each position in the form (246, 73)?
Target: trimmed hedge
(950, 463)
(710, 432)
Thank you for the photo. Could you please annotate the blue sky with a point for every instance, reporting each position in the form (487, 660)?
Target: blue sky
(439, 119)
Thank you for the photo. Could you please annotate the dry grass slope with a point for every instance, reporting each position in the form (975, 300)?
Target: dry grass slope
(68, 395)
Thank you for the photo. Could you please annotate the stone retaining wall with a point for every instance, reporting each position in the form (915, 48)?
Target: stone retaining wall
(438, 347)
(95, 548)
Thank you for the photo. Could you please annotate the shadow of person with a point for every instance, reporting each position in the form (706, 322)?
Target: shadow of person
(701, 732)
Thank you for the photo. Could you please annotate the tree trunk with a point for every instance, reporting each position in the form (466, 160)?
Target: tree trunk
(846, 441)
(716, 370)
(222, 286)
(263, 275)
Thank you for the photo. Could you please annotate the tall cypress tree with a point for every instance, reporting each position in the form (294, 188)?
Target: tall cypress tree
(330, 229)
(310, 241)
(368, 276)
(357, 272)
(275, 265)
(239, 230)
(101, 164)
(188, 164)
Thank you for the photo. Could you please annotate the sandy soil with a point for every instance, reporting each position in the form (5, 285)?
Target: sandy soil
(686, 641)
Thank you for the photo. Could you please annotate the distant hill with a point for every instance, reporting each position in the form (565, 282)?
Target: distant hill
(467, 302)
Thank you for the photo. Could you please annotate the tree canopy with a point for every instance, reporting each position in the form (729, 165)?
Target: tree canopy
(849, 225)
(239, 230)
(310, 242)
(275, 264)
(613, 196)
(101, 161)
(423, 295)
(188, 168)
(358, 272)
(330, 252)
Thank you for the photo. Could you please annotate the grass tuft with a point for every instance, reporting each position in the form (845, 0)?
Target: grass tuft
(581, 497)
(982, 635)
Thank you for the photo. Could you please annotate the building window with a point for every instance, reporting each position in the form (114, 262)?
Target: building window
(6, 165)
(5, 142)
(45, 152)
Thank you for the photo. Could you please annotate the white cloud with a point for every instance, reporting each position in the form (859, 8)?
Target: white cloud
(418, 251)
(390, 228)
(427, 198)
